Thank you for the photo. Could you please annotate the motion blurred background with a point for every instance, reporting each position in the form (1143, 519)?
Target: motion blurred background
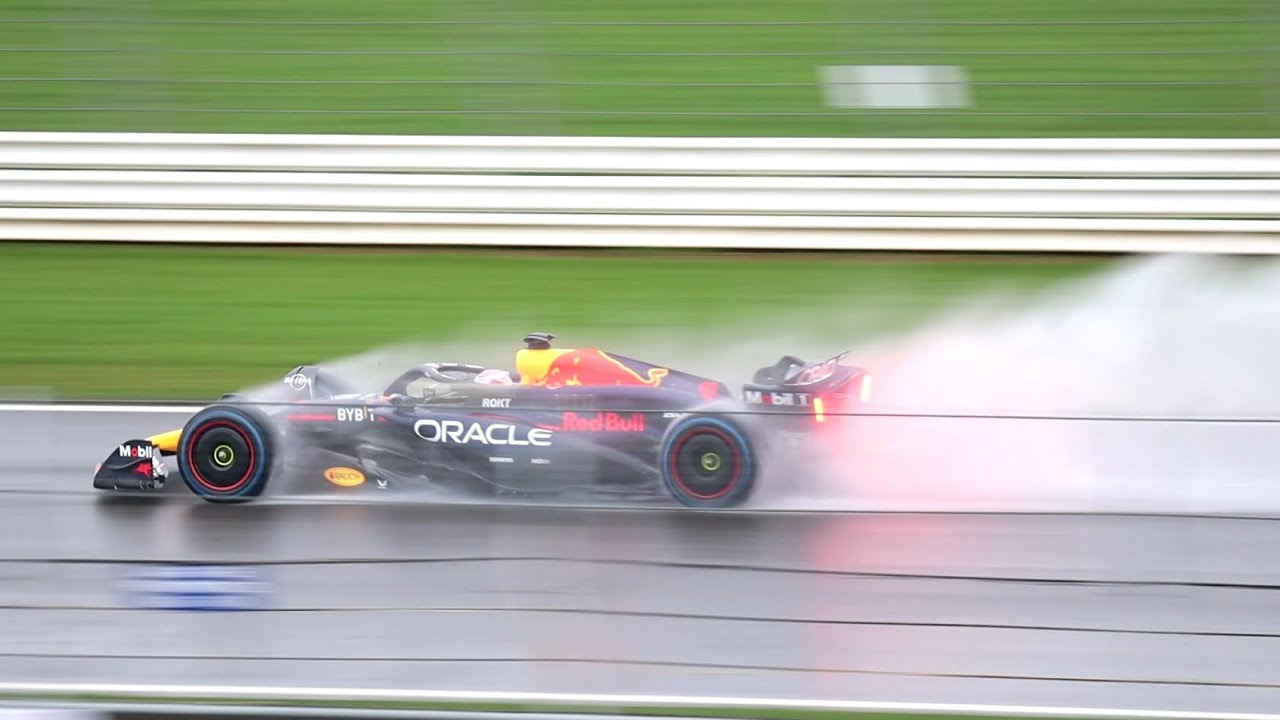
(802, 68)
(939, 68)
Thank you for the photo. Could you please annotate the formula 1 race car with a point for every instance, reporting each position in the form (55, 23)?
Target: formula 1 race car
(563, 419)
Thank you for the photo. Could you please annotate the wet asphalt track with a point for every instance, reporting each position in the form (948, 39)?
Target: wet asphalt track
(1114, 611)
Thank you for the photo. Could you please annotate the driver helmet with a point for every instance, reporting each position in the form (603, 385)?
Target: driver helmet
(494, 376)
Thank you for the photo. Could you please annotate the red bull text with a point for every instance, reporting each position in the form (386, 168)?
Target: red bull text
(602, 422)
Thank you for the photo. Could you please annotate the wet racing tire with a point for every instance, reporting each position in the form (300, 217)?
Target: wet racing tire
(225, 453)
(707, 462)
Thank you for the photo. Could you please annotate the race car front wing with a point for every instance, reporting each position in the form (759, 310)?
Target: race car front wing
(134, 465)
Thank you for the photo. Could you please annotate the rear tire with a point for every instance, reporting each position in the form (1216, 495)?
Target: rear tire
(707, 462)
(226, 453)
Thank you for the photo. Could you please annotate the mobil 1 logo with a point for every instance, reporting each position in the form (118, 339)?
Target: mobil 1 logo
(136, 450)
(779, 399)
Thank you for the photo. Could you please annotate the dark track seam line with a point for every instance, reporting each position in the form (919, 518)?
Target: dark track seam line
(689, 616)
(179, 405)
(166, 500)
(652, 663)
(853, 574)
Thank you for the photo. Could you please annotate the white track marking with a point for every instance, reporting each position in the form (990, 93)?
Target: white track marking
(304, 694)
(88, 408)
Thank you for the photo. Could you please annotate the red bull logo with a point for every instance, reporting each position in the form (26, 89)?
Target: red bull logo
(602, 422)
(592, 367)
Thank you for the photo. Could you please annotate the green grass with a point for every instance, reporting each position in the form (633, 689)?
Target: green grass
(190, 323)
(160, 65)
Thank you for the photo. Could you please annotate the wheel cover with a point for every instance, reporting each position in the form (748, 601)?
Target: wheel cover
(224, 456)
(711, 461)
(221, 456)
(706, 463)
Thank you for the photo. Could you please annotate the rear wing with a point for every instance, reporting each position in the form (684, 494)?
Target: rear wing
(793, 384)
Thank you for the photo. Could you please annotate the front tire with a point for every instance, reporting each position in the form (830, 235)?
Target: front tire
(707, 462)
(226, 453)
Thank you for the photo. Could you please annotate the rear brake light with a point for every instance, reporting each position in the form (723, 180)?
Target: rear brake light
(865, 392)
(819, 410)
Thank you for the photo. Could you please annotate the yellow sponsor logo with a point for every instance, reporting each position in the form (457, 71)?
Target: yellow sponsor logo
(344, 476)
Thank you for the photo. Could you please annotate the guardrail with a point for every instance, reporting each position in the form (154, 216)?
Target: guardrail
(1016, 195)
(871, 157)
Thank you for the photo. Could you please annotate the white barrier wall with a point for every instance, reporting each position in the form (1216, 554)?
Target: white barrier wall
(1013, 195)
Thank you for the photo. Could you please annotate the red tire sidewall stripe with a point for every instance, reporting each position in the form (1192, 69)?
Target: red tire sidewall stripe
(191, 456)
(674, 468)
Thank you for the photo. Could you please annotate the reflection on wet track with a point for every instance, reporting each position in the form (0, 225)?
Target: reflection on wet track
(1118, 611)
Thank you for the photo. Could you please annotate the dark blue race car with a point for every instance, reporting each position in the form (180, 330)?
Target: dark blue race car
(564, 419)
